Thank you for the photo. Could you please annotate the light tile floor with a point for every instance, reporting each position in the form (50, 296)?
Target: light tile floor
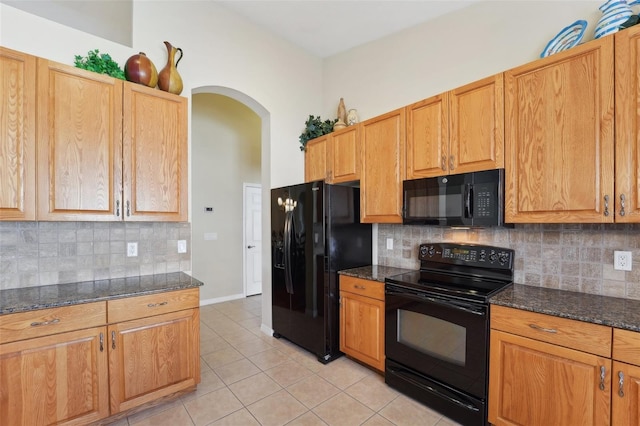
(249, 378)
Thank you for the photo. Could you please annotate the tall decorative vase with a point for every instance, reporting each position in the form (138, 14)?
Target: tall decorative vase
(168, 79)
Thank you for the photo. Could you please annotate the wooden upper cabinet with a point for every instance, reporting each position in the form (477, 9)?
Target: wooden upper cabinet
(428, 137)
(382, 140)
(476, 114)
(155, 155)
(18, 127)
(343, 155)
(315, 159)
(627, 145)
(79, 143)
(559, 137)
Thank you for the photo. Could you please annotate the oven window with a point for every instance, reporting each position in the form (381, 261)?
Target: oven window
(432, 336)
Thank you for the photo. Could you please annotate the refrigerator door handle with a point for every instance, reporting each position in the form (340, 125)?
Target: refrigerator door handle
(287, 252)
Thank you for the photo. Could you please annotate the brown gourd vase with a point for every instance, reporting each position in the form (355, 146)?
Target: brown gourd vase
(139, 69)
(168, 79)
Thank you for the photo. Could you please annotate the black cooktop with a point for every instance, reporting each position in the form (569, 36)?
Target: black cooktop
(463, 271)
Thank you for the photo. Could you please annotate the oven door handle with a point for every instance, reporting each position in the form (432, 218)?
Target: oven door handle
(446, 303)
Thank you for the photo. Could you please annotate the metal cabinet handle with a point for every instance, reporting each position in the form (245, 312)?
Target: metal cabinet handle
(113, 340)
(154, 305)
(444, 163)
(50, 322)
(603, 372)
(452, 162)
(101, 342)
(128, 209)
(606, 205)
(546, 330)
(250, 247)
(361, 287)
(621, 384)
(118, 208)
(622, 204)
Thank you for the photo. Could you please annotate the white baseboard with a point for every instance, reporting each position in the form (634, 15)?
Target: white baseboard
(221, 299)
(266, 329)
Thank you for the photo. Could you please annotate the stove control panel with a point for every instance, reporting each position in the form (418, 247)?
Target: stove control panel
(466, 254)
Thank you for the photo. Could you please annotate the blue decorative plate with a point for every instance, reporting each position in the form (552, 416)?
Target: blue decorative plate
(566, 39)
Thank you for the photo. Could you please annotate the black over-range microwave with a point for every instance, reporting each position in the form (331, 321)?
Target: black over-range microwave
(467, 199)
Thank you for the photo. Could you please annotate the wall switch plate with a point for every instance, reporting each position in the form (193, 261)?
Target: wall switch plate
(389, 243)
(132, 249)
(182, 246)
(622, 260)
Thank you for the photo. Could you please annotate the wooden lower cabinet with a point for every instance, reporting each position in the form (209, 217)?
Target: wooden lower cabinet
(53, 371)
(625, 406)
(153, 357)
(362, 320)
(58, 379)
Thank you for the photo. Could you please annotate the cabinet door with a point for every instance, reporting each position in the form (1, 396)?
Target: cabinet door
(559, 137)
(362, 328)
(18, 125)
(55, 379)
(477, 126)
(153, 357)
(627, 65)
(155, 155)
(315, 159)
(428, 137)
(79, 143)
(344, 155)
(383, 168)
(626, 395)
(559, 386)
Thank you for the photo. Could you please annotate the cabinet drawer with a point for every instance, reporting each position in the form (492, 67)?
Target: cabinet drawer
(362, 287)
(43, 322)
(626, 346)
(153, 304)
(586, 337)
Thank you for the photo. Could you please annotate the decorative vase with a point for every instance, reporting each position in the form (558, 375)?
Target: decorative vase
(352, 117)
(139, 69)
(169, 80)
(342, 112)
(614, 14)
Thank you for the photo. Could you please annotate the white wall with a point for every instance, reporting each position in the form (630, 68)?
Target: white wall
(226, 141)
(455, 49)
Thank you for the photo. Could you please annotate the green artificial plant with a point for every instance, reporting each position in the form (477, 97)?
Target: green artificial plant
(100, 63)
(315, 127)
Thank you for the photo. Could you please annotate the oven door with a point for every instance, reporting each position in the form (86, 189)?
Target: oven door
(441, 338)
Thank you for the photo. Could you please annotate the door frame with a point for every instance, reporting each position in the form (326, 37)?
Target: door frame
(246, 185)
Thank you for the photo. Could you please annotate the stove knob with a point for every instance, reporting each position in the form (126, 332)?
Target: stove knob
(493, 256)
(503, 257)
(423, 250)
(432, 251)
(483, 256)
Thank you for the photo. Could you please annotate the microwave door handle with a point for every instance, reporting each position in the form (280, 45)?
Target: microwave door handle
(468, 201)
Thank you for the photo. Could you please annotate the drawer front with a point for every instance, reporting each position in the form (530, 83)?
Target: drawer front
(626, 346)
(44, 322)
(152, 304)
(583, 336)
(362, 287)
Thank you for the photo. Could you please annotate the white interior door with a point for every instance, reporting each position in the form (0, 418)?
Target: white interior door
(252, 239)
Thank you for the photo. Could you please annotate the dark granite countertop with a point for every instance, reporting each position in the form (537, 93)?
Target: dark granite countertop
(55, 295)
(611, 311)
(374, 272)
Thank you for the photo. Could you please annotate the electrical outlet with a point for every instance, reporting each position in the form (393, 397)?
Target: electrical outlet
(389, 243)
(182, 246)
(132, 249)
(622, 260)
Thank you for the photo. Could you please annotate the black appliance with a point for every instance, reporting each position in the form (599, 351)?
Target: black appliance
(467, 199)
(437, 327)
(315, 232)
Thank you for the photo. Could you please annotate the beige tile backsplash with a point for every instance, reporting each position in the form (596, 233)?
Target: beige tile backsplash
(41, 253)
(576, 257)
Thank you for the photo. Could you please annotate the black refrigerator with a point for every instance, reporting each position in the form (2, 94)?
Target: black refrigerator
(315, 232)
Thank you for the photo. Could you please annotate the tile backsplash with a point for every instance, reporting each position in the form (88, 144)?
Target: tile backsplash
(575, 257)
(42, 253)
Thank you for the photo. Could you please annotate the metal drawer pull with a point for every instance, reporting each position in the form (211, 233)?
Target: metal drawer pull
(621, 384)
(444, 163)
(602, 374)
(101, 342)
(621, 204)
(38, 324)
(153, 305)
(361, 287)
(606, 205)
(113, 340)
(546, 330)
(118, 208)
(451, 162)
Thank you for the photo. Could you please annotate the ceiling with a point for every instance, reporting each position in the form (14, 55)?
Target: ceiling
(327, 27)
